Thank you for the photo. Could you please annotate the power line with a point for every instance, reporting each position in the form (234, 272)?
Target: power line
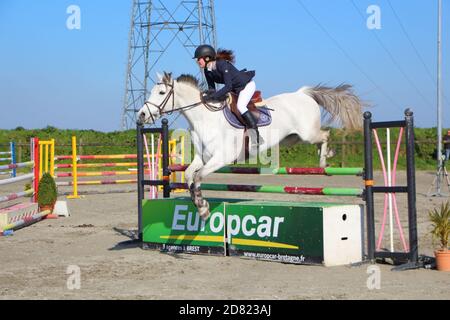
(347, 55)
(411, 42)
(394, 61)
(416, 51)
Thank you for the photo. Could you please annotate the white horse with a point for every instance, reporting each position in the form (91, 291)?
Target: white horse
(218, 144)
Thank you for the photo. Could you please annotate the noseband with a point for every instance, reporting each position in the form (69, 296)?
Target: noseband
(163, 104)
(161, 107)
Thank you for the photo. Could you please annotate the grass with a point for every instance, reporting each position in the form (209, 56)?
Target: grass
(349, 147)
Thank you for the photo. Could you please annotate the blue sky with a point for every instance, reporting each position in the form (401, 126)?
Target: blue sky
(75, 78)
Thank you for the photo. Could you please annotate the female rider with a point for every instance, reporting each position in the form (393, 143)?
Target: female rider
(218, 68)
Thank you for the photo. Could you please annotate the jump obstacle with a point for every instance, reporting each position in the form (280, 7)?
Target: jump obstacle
(282, 171)
(9, 157)
(19, 215)
(302, 233)
(48, 164)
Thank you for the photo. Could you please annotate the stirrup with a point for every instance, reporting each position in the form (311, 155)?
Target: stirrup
(255, 138)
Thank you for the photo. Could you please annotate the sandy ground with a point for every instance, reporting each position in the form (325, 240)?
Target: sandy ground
(35, 259)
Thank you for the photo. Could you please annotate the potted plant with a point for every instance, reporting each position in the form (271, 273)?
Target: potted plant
(47, 193)
(440, 220)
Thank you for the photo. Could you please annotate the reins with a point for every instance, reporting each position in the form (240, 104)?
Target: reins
(171, 94)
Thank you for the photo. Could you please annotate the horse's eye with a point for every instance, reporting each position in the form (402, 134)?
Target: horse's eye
(162, 93)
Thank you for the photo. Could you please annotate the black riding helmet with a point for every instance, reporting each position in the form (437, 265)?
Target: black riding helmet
(205, 51)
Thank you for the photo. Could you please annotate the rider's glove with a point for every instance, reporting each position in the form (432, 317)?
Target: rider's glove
(209, 96)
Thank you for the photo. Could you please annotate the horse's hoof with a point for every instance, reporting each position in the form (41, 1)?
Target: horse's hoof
(199, 202)
(331, 153)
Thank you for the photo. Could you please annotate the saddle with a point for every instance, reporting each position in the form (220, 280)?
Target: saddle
(255, 106)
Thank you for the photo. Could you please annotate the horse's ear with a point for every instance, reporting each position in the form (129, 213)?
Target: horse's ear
(159, 77)
(167, 77)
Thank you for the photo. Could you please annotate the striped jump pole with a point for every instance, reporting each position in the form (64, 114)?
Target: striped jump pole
(17, 165)
(96, 165)
(350, 192)
(26, 221)
(320, 171)
(16, 195)
(96, 182)
(282, 171)
(98, 157)
(17, 179)
(101, 157)
(97, 174)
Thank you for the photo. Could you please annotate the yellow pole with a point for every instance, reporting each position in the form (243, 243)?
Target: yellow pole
(52, 158)
(172, 157)
(183, 179)
(160, 171)
(46, 157)
(40, 159)
(74, 170)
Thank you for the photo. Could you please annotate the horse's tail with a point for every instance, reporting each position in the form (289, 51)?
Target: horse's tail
(341, 103)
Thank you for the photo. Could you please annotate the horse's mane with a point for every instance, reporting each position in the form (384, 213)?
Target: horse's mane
(189, 79)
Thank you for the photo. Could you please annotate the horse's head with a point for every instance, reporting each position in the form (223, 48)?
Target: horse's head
(161, 100)
(170, 95)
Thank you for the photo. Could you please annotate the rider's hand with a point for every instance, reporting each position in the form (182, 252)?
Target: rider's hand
(208, 96)
(209, 91)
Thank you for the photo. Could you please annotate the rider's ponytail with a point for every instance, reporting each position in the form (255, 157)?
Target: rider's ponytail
(223, 54)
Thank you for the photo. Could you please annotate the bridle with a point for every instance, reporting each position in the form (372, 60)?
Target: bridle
(171, 96)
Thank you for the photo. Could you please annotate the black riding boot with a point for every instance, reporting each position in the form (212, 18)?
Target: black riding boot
(252, 126)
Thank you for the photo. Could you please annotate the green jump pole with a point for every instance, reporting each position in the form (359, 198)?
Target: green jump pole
(320, 171)
(350, 192)
(283, 171)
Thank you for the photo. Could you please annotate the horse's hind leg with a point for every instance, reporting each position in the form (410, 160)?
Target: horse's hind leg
(324, 152)
(320, 138)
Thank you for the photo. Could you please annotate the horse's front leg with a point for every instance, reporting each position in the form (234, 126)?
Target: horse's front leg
(194, 182)
(190, 173)
(211, 166)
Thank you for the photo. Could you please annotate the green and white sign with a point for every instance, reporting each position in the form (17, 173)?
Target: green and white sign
(301, 233)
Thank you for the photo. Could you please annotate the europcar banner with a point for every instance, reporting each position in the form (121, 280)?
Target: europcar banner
(277, 231)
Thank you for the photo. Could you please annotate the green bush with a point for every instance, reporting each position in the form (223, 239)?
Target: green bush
(349, 146)
(47, 193)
